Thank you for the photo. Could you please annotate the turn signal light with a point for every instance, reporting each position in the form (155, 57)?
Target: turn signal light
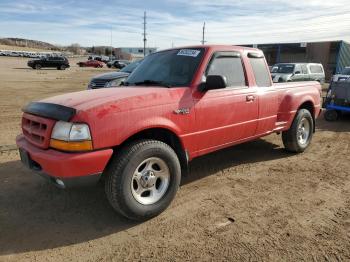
(73, 146)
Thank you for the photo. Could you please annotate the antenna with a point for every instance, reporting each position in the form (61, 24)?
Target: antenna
(144, 34)
(203, 41)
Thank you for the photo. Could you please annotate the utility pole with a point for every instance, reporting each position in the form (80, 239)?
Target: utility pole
(203, 41)
(144, 34)
(111, 42)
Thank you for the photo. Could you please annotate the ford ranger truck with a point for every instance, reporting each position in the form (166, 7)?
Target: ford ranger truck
(177, 105)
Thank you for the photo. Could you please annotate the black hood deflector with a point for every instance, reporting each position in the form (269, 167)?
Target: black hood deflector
(49, 110)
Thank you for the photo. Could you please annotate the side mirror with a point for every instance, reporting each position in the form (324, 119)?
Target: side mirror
(297, 73)
(214, 82)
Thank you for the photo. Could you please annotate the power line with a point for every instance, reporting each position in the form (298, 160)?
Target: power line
(144, 34)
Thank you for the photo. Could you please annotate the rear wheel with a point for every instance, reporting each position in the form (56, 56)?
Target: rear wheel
(299, 136)
(37, 66)
(62, 67)
(142, 180)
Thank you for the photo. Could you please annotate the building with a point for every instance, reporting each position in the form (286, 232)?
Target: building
(333, 55)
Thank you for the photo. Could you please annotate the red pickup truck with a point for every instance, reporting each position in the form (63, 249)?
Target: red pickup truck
(178, 104)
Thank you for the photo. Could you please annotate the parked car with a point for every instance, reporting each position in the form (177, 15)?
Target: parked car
(101, 58)
(59, 62)
(291, 72)
(178, 104)
(91, 63)
(113, 79)
(119, 64)
(343, 76)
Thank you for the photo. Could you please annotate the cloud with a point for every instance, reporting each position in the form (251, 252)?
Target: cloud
(176, 21)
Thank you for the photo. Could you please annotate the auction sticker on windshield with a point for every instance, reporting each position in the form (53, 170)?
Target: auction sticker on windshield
(189, 52)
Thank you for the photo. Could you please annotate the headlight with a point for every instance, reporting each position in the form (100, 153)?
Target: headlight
(71, 137)
(114, 83)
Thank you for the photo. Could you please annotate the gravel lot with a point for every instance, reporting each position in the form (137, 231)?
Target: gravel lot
(250, 202)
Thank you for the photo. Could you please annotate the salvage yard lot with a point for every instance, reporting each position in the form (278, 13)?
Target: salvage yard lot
(250, 202)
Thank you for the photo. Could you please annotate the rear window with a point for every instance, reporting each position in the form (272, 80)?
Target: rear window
(229, 67)
(316, 69)
(261, 72)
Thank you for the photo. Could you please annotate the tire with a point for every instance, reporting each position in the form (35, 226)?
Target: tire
(37, 66)
(131, 195)
(62, 67)
(331, 115)
(299, 135)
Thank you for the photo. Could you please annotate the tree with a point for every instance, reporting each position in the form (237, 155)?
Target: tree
(75, 49)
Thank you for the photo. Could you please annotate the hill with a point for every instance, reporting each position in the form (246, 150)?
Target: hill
(26, 43)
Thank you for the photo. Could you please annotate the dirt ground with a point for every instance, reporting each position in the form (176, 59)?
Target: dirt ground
(251, 202)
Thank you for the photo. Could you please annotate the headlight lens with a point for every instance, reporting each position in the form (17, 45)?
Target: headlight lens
(79, 132)
(114, 83)
(71, 137)
(61, 130)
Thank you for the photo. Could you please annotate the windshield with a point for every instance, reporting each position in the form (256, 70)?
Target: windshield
(174, 67)
(130, 67)
(346, 71)
(283, 68)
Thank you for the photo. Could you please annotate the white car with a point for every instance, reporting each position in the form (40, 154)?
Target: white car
(291, 72)
(343, 76)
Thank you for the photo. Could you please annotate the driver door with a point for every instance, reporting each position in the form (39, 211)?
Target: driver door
(225, 116)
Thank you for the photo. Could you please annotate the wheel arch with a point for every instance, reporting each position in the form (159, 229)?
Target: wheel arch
(309, 105)
(164, 135)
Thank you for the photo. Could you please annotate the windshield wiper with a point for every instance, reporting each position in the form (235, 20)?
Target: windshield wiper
(152, 82)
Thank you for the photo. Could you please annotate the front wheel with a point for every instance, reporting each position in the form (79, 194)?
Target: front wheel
(142, 180)
(38, 66)
(299, 135)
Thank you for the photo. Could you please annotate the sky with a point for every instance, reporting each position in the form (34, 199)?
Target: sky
(175, 22)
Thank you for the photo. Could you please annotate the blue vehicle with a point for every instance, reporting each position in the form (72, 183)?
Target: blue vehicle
(337, 101)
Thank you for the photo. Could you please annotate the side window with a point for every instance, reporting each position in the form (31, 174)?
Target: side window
(316, 69)
(304, 69)
(230, 67)
(297, 69)
(261, 72)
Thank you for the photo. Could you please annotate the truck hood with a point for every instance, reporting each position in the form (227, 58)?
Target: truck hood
(110, 76)
(120, 99)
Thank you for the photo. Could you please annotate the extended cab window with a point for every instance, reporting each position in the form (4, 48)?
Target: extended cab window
(230, 66)
(261, 72)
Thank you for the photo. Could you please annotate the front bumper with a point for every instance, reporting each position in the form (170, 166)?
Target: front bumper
(72, 169)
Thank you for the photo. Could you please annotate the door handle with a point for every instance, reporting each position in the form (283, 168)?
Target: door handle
(250, 98)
